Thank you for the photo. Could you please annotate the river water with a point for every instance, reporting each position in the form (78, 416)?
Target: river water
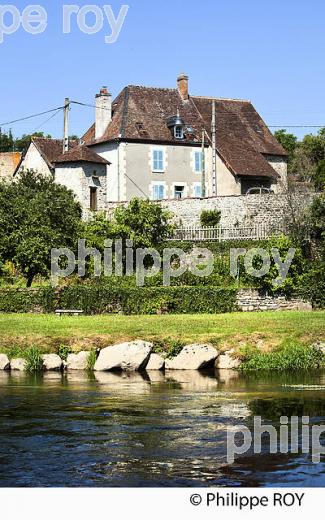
(156, 429)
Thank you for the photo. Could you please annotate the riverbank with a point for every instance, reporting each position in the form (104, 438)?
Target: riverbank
(265, 330)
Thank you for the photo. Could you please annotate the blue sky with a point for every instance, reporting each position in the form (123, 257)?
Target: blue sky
(269, 52)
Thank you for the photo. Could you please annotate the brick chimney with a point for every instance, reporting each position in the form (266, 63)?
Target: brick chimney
(103, 112)
(182, 83)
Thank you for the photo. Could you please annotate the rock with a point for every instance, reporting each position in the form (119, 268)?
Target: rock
(132, 356)
(320, 345)
(227, 361)
(193, 357)
(18, 364)
(155, 362)
(52, 362)
(4, 362)
(78, 361)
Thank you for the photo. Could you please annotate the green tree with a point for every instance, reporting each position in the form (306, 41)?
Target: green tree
(319, 176)
(144, 222)
(6, 142)
(318, 217)
(36, 215)
(314, 146)
(24, 141)
(288, 141)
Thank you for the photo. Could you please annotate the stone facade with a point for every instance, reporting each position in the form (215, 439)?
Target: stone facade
(244, 210)
(250, 300)
(80, 177)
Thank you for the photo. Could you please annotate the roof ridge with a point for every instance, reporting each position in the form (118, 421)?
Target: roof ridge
(222, 99)
(152, 88)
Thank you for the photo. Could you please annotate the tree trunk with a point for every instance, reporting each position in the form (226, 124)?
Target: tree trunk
(30, 278)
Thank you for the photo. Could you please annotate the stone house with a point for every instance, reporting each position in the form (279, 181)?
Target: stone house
(80, 169)
(153, 140)
(148, 143)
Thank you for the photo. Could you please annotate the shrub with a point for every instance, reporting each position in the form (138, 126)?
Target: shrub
(27, 300)
(149, 300)
(313, 286)
(63, 351)
(175, 348)
(34, 360)
(105, 299)
(210, 218)
(289, 356)
(92, 358)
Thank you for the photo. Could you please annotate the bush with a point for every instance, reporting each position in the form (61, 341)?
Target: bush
(34, 360)
(92, 358)
(149, 300)
(63, 351)
(27, 300)
(290, 356)
(101, 299)
(210, 218)
(313, 286)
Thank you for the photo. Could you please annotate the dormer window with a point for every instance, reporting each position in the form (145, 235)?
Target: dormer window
(179, 132)
(176, 125)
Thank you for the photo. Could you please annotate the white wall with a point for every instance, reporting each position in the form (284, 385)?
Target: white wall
(34, 161)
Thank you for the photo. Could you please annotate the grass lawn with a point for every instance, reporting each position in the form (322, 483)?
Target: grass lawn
(266, 329)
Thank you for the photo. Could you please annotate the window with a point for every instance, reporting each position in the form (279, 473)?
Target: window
(93, 199)
(158, 192)
(198, 162)
(179, 192)
(179, 132)
(197, 190)
(158, 161)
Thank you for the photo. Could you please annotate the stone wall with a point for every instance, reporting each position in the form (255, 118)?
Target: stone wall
(250, 300)
(271, 210)
(8, 164)
(78, 178)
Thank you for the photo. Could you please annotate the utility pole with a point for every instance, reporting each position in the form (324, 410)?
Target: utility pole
(214, 149)
(66, 125)
(203, 190)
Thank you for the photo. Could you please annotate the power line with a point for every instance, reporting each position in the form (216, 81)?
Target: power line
(89, 105)
(296, 126)
(31, 117)
(47, 120)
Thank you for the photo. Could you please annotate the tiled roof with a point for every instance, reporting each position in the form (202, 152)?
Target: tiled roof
(81, 154)
(141, 113)
(51, 149)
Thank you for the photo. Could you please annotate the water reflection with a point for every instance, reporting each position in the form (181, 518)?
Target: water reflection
(150, 429)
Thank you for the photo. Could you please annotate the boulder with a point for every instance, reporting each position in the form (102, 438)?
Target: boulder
(4, 362)
(18, 364)
(155, 362)
(52, 362)
(227, 361)
(193, 357)
(320, 346)
(78, 361)
(132, 356)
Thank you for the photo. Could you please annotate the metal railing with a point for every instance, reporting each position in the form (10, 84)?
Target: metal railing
(220, 233)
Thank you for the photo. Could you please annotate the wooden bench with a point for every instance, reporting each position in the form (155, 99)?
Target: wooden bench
(68, 312)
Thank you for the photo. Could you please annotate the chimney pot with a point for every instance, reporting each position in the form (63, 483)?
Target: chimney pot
(182, 83)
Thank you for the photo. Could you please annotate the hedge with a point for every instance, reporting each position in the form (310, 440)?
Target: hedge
(27, 300)
(137, 300)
